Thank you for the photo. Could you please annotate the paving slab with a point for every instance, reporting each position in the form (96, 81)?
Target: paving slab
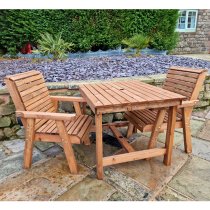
(178, 137)
(193, 180)
(200, 148)
(15, 146)
(53, 151)
(152, 173)
(195, 125)
(43, 146)
(86, 154)
(89, 189)
(169, 194)
(205, 132)
(126, 184)
(118, 196)
(44, 181)
(2, 152)
(14, 163)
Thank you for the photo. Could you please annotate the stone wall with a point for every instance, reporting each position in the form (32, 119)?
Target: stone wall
(199, 41)
(9, 128)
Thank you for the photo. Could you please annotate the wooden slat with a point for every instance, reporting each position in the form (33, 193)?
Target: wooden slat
(34, 94)
(142, 91)
(86, 127)
(183, 73)
(179, 77)
(31, 84)
(178, 68)
(132, 156)
(33, 89)
(180, 82)
(23, 75)
(27, 80)
(179, 86)
(80, 125)
(37, 98)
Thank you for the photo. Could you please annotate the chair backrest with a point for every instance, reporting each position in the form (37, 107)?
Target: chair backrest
(185, 81)
(29, 93)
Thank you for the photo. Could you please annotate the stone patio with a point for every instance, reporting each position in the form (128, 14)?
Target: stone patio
(49, 178)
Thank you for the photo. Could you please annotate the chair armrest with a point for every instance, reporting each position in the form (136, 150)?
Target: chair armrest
(188, 103)
(45, 115)
(68, 98)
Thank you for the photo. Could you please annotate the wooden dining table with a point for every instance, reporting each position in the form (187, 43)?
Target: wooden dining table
(121, 96)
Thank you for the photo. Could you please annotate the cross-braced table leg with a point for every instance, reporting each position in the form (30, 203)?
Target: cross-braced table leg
(99, 146)
(170, 135)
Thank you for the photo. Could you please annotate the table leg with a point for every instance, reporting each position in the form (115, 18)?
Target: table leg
(170, 135)
(99, 146)
(156, 128)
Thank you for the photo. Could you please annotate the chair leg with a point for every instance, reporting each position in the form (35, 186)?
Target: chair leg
(130, 130)
(186, 129)
(30, 134)
(67, 147)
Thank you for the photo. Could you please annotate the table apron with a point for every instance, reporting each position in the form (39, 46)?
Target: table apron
(124, 108)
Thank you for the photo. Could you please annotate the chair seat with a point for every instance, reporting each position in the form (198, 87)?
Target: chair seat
(144, 119)
(77, 127)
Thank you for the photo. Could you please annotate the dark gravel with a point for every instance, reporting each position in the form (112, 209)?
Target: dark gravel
(99, 68)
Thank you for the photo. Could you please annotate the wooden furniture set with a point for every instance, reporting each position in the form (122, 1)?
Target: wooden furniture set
(146, 107)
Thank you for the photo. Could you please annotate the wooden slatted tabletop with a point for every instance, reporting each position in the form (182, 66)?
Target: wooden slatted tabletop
(108, 97)
(126, 95)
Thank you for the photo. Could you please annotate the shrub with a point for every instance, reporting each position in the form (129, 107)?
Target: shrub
(87, 29)
(55, 45)
(137, 42)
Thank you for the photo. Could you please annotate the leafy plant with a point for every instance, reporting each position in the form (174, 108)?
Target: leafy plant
(55, 45)
(137, 42)
(87, 29)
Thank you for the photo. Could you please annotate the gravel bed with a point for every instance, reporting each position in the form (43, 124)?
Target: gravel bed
(99, 68)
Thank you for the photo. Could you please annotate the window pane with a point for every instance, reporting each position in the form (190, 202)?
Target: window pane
(191, 20)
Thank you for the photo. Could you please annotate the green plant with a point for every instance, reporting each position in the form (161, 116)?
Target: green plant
(87, 29)
(55, 45)
(137, 42)
(161, 41)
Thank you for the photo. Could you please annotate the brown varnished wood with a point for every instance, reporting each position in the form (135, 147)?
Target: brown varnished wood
(37, 110)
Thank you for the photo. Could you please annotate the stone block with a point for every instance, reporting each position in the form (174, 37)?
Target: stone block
(207, 95)
(118, 116)
(202, 104)
(8, 132)
(1, 134)
(5, 122)
(67, 106)
(107, 118)
(7, 109)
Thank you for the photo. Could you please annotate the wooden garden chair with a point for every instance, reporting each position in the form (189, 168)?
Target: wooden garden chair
(184, 81)
(37, 110)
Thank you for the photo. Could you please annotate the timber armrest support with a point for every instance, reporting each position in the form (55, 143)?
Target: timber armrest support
(45, 115)
(68, 98)
(188, 103)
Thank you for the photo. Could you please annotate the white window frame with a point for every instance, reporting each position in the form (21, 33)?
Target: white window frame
(186, 21)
